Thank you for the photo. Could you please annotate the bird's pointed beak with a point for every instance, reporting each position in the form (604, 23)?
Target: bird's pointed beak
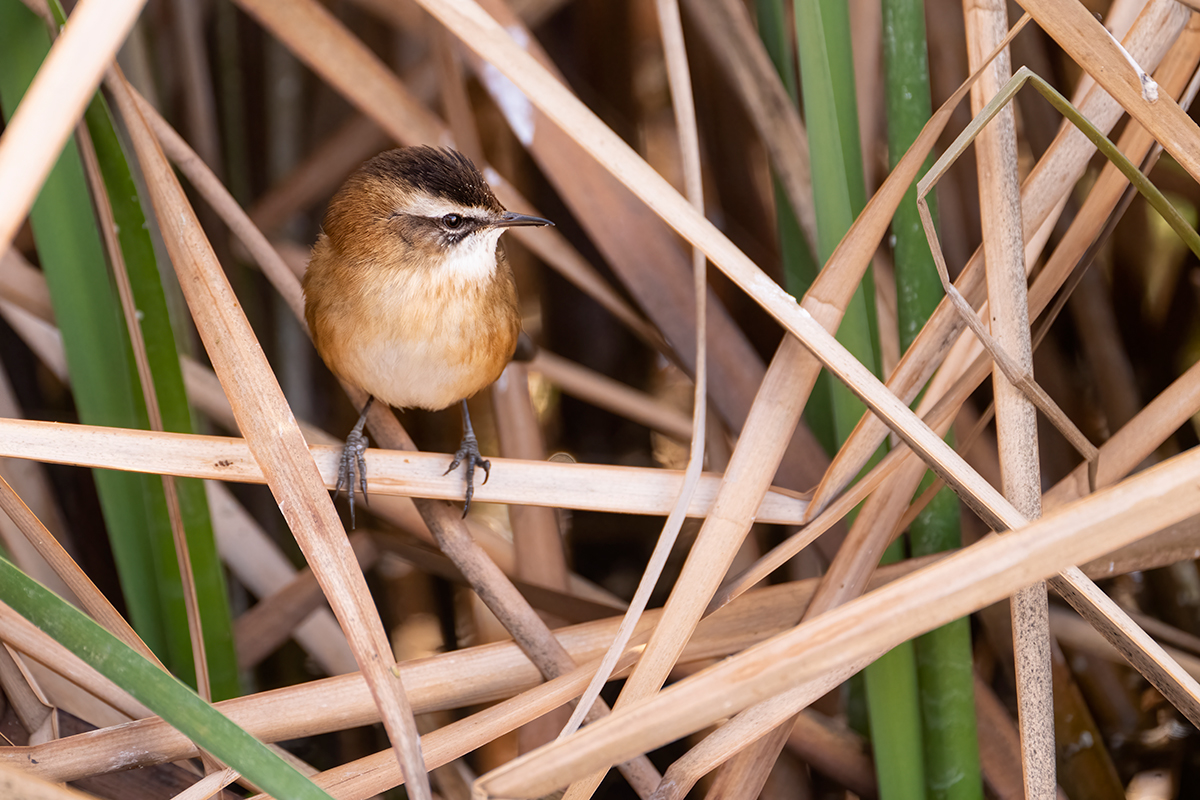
(510, 219)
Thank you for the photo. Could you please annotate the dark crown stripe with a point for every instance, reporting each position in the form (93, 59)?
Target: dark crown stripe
(440, 172)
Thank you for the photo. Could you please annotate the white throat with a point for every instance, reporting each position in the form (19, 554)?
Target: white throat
(474, 258)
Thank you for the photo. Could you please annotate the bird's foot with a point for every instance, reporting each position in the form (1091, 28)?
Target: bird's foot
(468, 454)
(353, 464)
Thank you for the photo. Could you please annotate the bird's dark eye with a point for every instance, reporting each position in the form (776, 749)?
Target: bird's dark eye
(452, 221)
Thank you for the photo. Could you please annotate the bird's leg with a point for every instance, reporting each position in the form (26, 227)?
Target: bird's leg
(353, 461)
(469, 455)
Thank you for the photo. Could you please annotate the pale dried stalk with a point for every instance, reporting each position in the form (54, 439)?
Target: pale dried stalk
(34, 712)
(598, 487)
(461, 678)
(15, 782)
(259, 565)
(1016, 417)
(604, 392)
(208, 786)
(1042, 196)
(671, 28)
(1083, 38)
(846, 578)
(23, 635)
(1074, 632)
(937, 415)
(55, 101)
(950, 588)
(275, 438)
(781, 399)
(90, 597)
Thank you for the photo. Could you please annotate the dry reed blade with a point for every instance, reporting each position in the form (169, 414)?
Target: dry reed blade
(1083, 38)
(671, 31)
(950, 588)
(604, 392)
(21, 634)
(261, 566)
(458, 679)
(90, 598)
(727, 26)
(1041, 196)
(275, 439)
(15, 782)
(630, 490)
(55, 101)
(1016, 416)
(208, 786)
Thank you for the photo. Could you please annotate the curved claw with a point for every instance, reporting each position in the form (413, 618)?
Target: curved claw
(353, 462)
(468, 454)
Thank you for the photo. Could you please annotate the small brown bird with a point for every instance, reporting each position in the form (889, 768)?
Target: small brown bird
(409, 295)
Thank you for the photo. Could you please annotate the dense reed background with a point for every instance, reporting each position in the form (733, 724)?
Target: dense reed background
(153, 285)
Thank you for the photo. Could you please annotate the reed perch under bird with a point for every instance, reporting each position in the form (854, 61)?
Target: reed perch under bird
(409, 295)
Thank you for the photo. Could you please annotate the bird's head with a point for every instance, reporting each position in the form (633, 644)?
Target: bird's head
(422, 207)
